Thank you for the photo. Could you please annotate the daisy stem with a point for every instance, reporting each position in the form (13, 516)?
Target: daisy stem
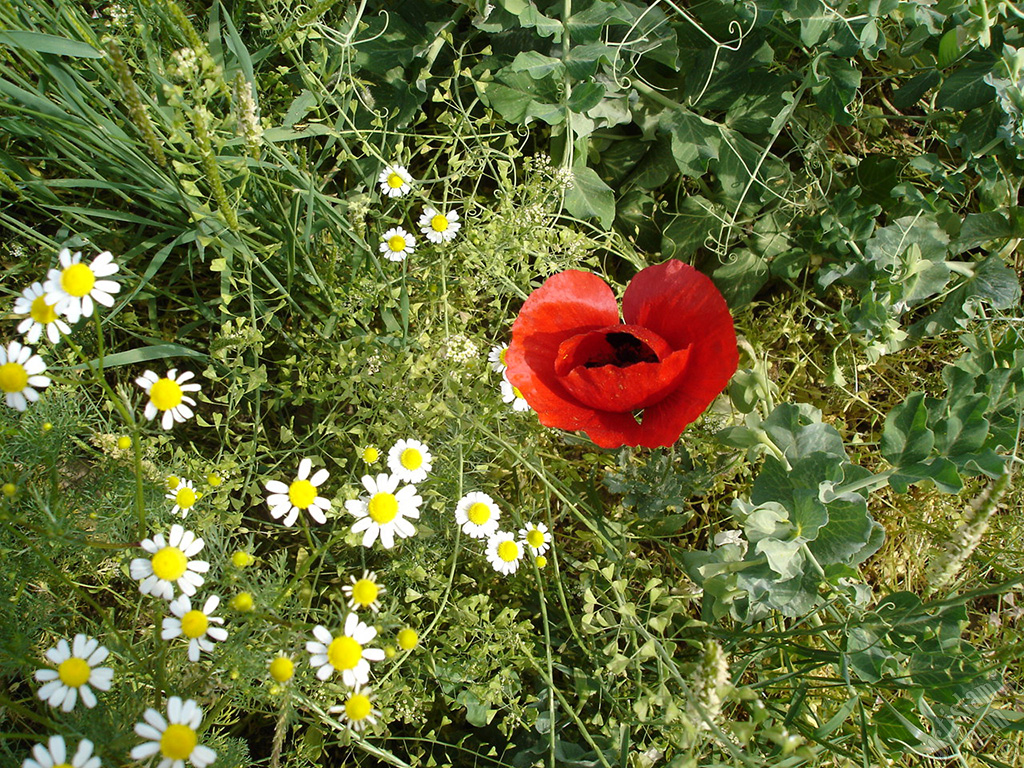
(547, 652)
(99, 340)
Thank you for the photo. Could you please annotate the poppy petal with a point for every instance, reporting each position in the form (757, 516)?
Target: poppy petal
(683, 306)
(567, 304)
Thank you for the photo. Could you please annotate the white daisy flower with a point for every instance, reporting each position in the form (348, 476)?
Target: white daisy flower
(478, 515)
(171, 563)
(396, 244)
(167, 394)
(194, 624)
(358, 710)
(410, 461)
(510, 394)
(504, 552)
(535, 537)
(175, 739)
(383, 513)
(344, 653)
(496, 358)
(439, 227)
(74, 287)
(21, 373)
(184, 497)
(41, 316)
(363, 592)
(395, 181)
(55, 755)
(76, 671)
(287, 500)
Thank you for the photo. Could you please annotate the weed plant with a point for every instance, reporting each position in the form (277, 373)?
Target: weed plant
(823, 570)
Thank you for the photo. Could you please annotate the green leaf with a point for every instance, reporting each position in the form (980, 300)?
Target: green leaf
(797, 430)
(536, 65)
(949, 48)
(906, 438)
(921, 277)
(815, 18)
(690, 227)
(531, 18)
(838, 81)
(797, 489)
(914, 89)
(582, 61)
(867, 656)
(695, 140)
(143, 355)
(519, 98)
(589, 197)
(741, 277)
(941, 471)
(965, 89)
(886, 247)
(42, 43)
(300, 105)
(585, 96)
(994, 283)
(786, 558)
(981, 228)
(849, 528)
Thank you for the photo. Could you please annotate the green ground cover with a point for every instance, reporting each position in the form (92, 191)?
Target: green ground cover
(323, 220)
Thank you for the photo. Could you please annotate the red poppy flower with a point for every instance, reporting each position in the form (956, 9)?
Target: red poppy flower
(637, 382)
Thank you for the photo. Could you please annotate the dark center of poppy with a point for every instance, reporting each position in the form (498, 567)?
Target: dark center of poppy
(623, 350)
(620, 368)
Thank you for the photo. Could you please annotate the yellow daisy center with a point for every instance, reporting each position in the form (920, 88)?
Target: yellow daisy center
(13, 377)
(344, 652)
(534, 537)
(370, 454)
(439, 223)
(214, 480)
(508, 551)
(301, 493)
(242, 602)
(358, 707)
(42, 312)
(407, 638)
(242, 559)
(63, 765)
(501, 355)
(516, 393)
(395, 181)
(74, 672)
(479, 513)
(178, 742)
(382, 508)
(194, 624)
(541, 561)
(77, 280)
(364, 592)
(124, 442)
(396, 243)
(165, 394)
(169, 564)
(185, 498)
(411, 458)
(282, 668)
